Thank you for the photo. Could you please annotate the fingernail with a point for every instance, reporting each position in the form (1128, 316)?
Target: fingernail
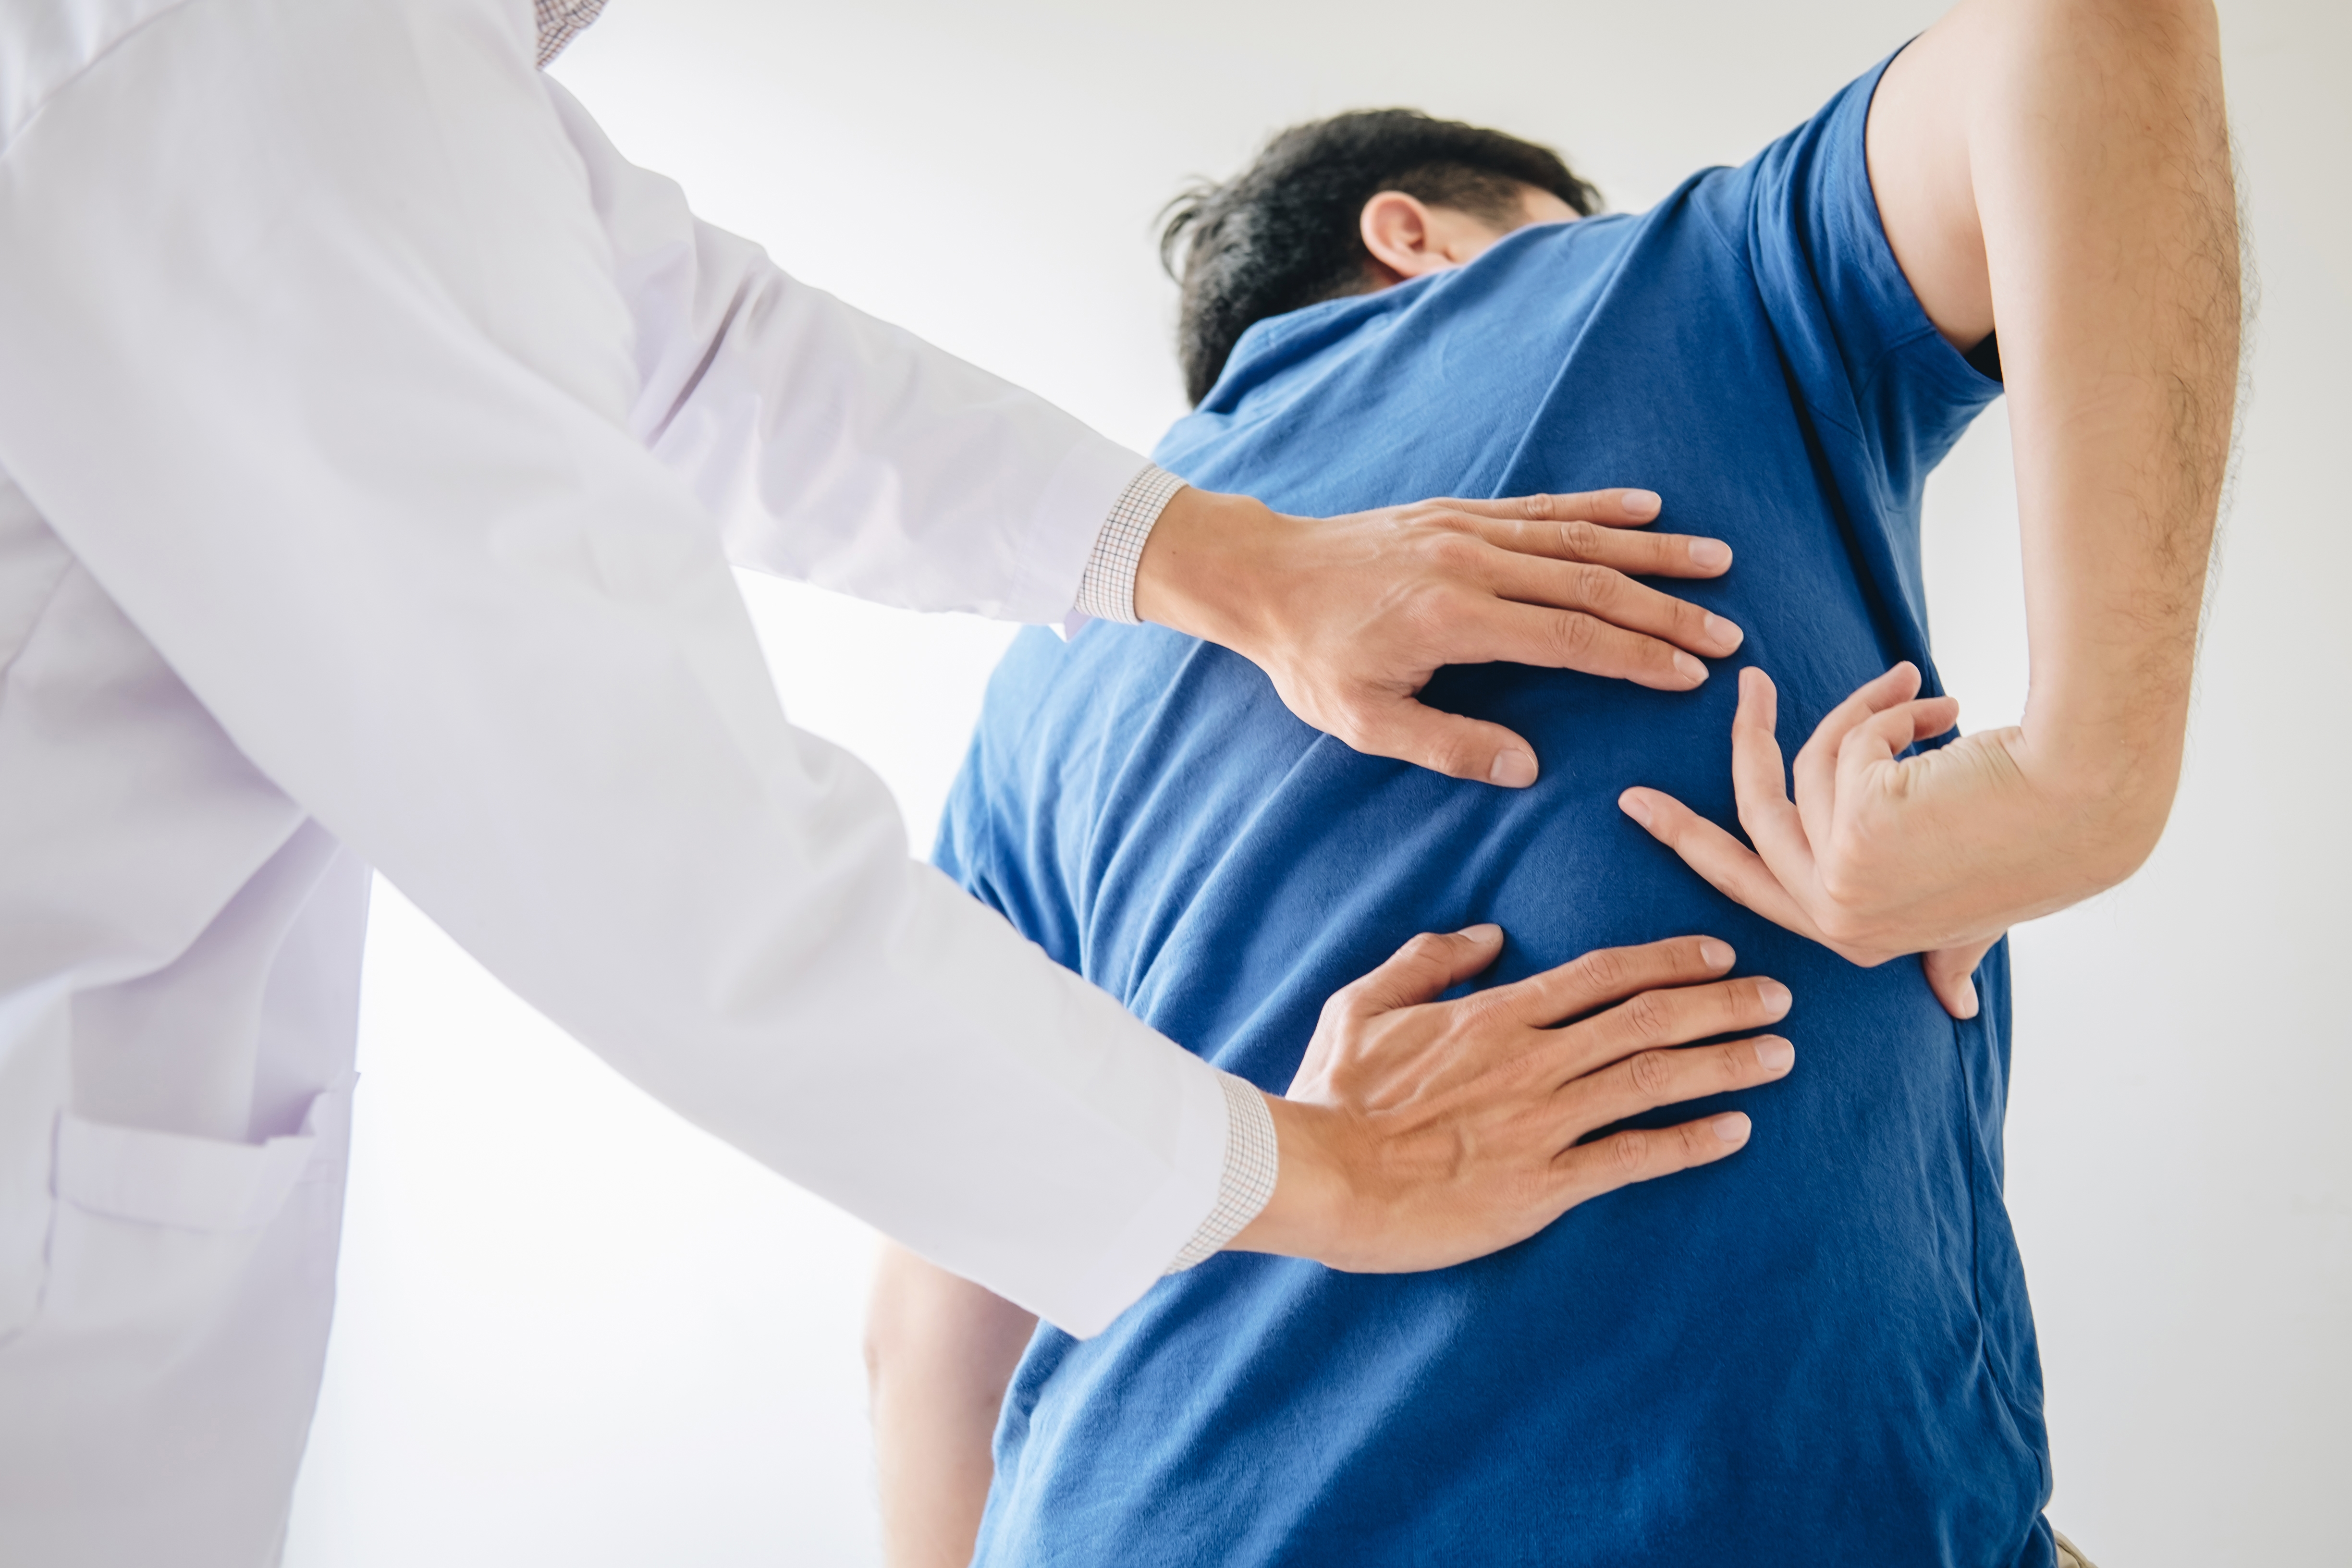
(1775, 1055)
(1641, 504)
(1712, 554)
(1689, 668)
(1732, 1127)
(1512, 770)
(1715, 954)
(1773, 995)
(1485, 931)
(1634, 806)
(1725, 632)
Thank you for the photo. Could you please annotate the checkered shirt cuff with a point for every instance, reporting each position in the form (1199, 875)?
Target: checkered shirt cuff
(559, 21)
(1252, 1158)
(1108, 590)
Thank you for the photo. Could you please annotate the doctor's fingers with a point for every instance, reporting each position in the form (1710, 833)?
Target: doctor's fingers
(1654, 1078)
(1606, 975)
(1501, 630)
(1403, 727)
(1588, 528)
(1620, 506)
(1603, 1165)
(1608, 594)
(1661, 1019)
(1418, 970)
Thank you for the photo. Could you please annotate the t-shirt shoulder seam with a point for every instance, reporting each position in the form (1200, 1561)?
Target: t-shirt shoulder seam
(1878, 362)
(1738, 256)
(1747, 269)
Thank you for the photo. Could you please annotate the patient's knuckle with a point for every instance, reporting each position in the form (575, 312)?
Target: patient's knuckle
(1630, 1152)
(1578, 539)
(1535, 508)
(1836, 874)
(1841, 924)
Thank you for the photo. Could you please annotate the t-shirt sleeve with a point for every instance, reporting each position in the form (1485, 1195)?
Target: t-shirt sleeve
(1859, 348)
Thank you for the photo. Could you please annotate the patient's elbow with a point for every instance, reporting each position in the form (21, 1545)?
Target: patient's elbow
(892, 1310)
(925, 1327)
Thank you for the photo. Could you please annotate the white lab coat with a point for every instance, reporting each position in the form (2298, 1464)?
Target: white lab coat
(333, 345)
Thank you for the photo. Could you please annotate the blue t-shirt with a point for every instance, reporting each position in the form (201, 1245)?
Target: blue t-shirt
(1817, 1351)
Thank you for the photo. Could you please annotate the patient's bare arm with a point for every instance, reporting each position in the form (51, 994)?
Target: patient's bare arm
(939, 1352)
(2059, 169)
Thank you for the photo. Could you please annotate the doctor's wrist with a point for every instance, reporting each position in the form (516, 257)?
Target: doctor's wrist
(1313, 1205)
(1212, 567)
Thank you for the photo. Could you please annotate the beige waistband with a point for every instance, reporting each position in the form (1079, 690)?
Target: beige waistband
(2071, 1555)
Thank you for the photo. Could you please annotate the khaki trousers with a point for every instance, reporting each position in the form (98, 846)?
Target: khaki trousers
(2071, 1555)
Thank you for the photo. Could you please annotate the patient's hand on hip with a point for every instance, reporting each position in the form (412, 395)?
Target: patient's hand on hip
(1421, 1133)
(1880, 855)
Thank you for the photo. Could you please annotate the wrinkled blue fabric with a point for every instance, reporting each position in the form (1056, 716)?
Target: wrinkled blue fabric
(1817, 1351)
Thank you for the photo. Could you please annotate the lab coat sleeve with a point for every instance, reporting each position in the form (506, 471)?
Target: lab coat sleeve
(834, 449)
(311, 352)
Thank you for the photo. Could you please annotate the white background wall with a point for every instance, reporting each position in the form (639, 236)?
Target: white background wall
(576, 1332)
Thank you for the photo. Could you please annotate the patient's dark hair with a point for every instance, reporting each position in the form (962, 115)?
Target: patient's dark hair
(1283, 234)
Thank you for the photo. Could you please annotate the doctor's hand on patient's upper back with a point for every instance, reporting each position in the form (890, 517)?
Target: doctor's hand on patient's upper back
(1882, 855)
(1351, 616)
(1421, 1133)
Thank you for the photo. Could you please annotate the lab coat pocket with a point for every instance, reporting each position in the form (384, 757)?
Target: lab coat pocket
(153, 1409)
(162, 1228)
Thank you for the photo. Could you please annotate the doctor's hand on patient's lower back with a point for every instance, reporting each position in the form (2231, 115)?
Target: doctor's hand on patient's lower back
(1880, 855)
(1420, 1133)
(1351, 616)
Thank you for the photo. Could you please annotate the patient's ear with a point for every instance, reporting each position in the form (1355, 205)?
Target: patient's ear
(1408, 238)
(1396, 230)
